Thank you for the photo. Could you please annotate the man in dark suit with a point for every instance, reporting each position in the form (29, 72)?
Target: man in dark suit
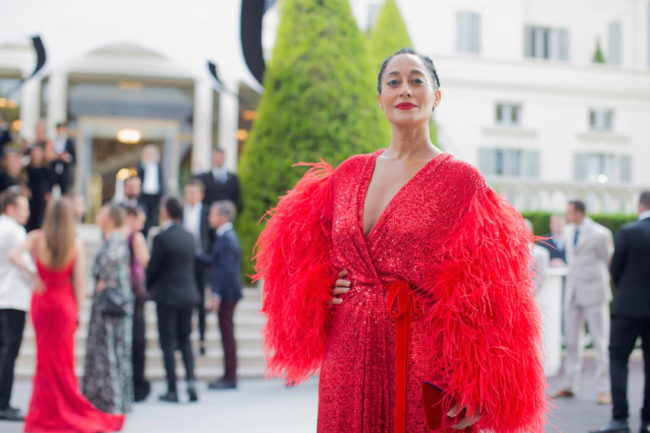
(152, 184)
(219, 183)
(62, 157)
(630, 270)
(195, 221)
(225, 282)
(170, 279)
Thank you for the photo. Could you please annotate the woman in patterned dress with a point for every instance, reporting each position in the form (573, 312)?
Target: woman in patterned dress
(108, 375)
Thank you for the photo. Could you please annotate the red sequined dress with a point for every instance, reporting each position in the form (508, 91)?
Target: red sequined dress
(57, 404)
(465, 253)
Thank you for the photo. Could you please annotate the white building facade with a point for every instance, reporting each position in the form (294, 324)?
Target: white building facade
(524, 101)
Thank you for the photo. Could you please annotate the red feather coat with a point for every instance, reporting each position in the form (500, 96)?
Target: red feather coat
(465, 252)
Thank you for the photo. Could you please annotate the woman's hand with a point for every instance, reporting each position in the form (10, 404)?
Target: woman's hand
(341, 286)
(465, 422)
(37, 284)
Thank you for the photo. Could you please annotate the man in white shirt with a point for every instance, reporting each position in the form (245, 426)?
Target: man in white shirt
(195, 221)
(15, 294)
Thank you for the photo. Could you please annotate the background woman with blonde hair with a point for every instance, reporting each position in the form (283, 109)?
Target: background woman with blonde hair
(57, 403)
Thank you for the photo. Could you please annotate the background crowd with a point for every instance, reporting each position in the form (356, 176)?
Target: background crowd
(154, 248)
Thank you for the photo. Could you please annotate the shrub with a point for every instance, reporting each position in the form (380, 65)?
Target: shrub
(319, 102)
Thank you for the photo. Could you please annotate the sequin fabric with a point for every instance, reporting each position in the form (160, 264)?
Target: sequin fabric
(357, 381)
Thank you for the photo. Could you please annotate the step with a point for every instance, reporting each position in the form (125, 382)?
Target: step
(158, 372)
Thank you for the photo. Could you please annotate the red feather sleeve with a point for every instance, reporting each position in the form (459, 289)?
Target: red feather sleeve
(292, 259)
(485, 327)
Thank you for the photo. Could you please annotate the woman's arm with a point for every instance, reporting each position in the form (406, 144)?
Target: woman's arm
(140, 249)
(484, 327)
(78, 279)
(292, 259)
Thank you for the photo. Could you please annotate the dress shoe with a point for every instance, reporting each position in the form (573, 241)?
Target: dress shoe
(645, 427)
(222, 384)
(563, 393)
(614, 426)
(11, 414)
(192, 394)
(202, 350)
(604, 398)
(170, 397)
(142, 392)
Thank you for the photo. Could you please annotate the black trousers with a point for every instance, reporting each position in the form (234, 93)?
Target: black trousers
(140, 384)
(227, 328)
(62, 178)
(12, 324)
(151, 204)
(174, 329)
(200, 275)
(624, 333)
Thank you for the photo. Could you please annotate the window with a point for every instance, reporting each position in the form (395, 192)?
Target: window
(468, 32)
(546, 43)
(509, 162)
(602, 167)
(615, 43)
(508, 114)
(601, 120)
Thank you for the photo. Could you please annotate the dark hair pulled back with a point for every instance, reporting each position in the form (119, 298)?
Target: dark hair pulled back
(406, 50)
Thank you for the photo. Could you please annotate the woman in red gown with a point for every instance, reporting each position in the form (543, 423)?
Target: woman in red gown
(57, 404)
(398, 268)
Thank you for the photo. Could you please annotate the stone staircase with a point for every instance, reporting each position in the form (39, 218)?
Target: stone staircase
(248, 326)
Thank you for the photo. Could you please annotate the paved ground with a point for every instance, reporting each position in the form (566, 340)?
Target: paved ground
(260, 406)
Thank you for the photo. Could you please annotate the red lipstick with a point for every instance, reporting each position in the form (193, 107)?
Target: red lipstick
(405, 106)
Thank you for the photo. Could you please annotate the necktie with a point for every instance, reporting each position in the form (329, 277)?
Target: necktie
(575, 239)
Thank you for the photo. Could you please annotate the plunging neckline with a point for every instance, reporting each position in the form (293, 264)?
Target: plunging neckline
(365, 186)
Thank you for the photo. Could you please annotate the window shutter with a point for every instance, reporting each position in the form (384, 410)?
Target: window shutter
(625, 174)
(487, 161)
(532, 164)
(529, 41)
(580, 167)
(562, 44)
(615, 43)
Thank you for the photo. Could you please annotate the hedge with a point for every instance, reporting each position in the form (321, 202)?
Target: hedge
(540, 221)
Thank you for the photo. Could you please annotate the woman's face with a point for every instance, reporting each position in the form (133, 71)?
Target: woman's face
(37, 155)
(136, 222)
(408, 94)
(101, 218)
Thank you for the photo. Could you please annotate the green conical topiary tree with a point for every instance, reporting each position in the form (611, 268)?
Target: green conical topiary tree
(598, 54)
(319, 102)
(388, 35)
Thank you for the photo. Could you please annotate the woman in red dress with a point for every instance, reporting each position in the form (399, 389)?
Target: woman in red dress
(57, 404)
(402, 268)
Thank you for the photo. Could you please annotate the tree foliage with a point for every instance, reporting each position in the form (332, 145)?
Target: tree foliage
(319, 102)
(388, 35)
(599, 57)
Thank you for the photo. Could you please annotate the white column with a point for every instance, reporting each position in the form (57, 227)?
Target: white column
(203, 120)
(229, 123)
(57, 108)
(30, 108)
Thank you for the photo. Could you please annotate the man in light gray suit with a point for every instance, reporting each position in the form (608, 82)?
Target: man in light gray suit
(589, 249)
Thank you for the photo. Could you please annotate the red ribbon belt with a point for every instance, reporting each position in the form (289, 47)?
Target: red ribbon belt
(401, 303)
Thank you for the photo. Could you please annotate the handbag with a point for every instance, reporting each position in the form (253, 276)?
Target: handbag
(113, 303)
